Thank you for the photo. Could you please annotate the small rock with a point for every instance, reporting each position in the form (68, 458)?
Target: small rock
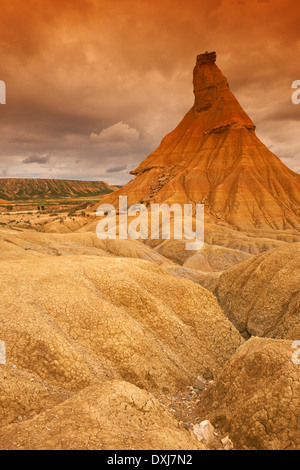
(204, 432)
(200, 383)
(227, 443)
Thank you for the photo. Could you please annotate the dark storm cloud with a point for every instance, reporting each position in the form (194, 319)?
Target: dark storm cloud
(37, 159)
(116, 169)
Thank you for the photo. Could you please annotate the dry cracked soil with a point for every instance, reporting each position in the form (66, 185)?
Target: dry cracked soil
(105, 340)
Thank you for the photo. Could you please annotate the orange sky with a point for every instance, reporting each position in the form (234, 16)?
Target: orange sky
(94, 85)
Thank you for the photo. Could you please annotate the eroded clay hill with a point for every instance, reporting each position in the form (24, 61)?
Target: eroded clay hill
(261, 295)
(112, 415)
(256, 399)
(71, 322)
(214, 157)
(96, 330)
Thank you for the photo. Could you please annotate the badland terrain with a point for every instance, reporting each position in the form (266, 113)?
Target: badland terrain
(131, 344)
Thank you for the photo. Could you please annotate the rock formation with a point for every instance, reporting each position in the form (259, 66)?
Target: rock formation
(113, 415)
(104, 338)
(256, 399)
(261, 295)
(214, 157)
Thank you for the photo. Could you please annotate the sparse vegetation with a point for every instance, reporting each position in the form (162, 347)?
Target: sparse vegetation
(38, 190)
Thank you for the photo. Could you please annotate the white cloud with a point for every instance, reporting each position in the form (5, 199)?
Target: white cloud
(119, 132)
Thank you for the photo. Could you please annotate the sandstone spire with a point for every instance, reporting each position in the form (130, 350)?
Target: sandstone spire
(212, 94)
(214, 157)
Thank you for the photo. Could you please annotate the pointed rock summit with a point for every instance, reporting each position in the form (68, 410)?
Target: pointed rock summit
(214, 157)
(215, 104)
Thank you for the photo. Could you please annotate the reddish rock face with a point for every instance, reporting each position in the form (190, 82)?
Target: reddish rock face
(215, 104)
(214, 157)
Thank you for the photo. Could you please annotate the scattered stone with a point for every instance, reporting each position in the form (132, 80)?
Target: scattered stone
(200, 383)
(205, 432)
(227, 443)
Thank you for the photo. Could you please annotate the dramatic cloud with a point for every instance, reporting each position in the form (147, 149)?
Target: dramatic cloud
(97, 83)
